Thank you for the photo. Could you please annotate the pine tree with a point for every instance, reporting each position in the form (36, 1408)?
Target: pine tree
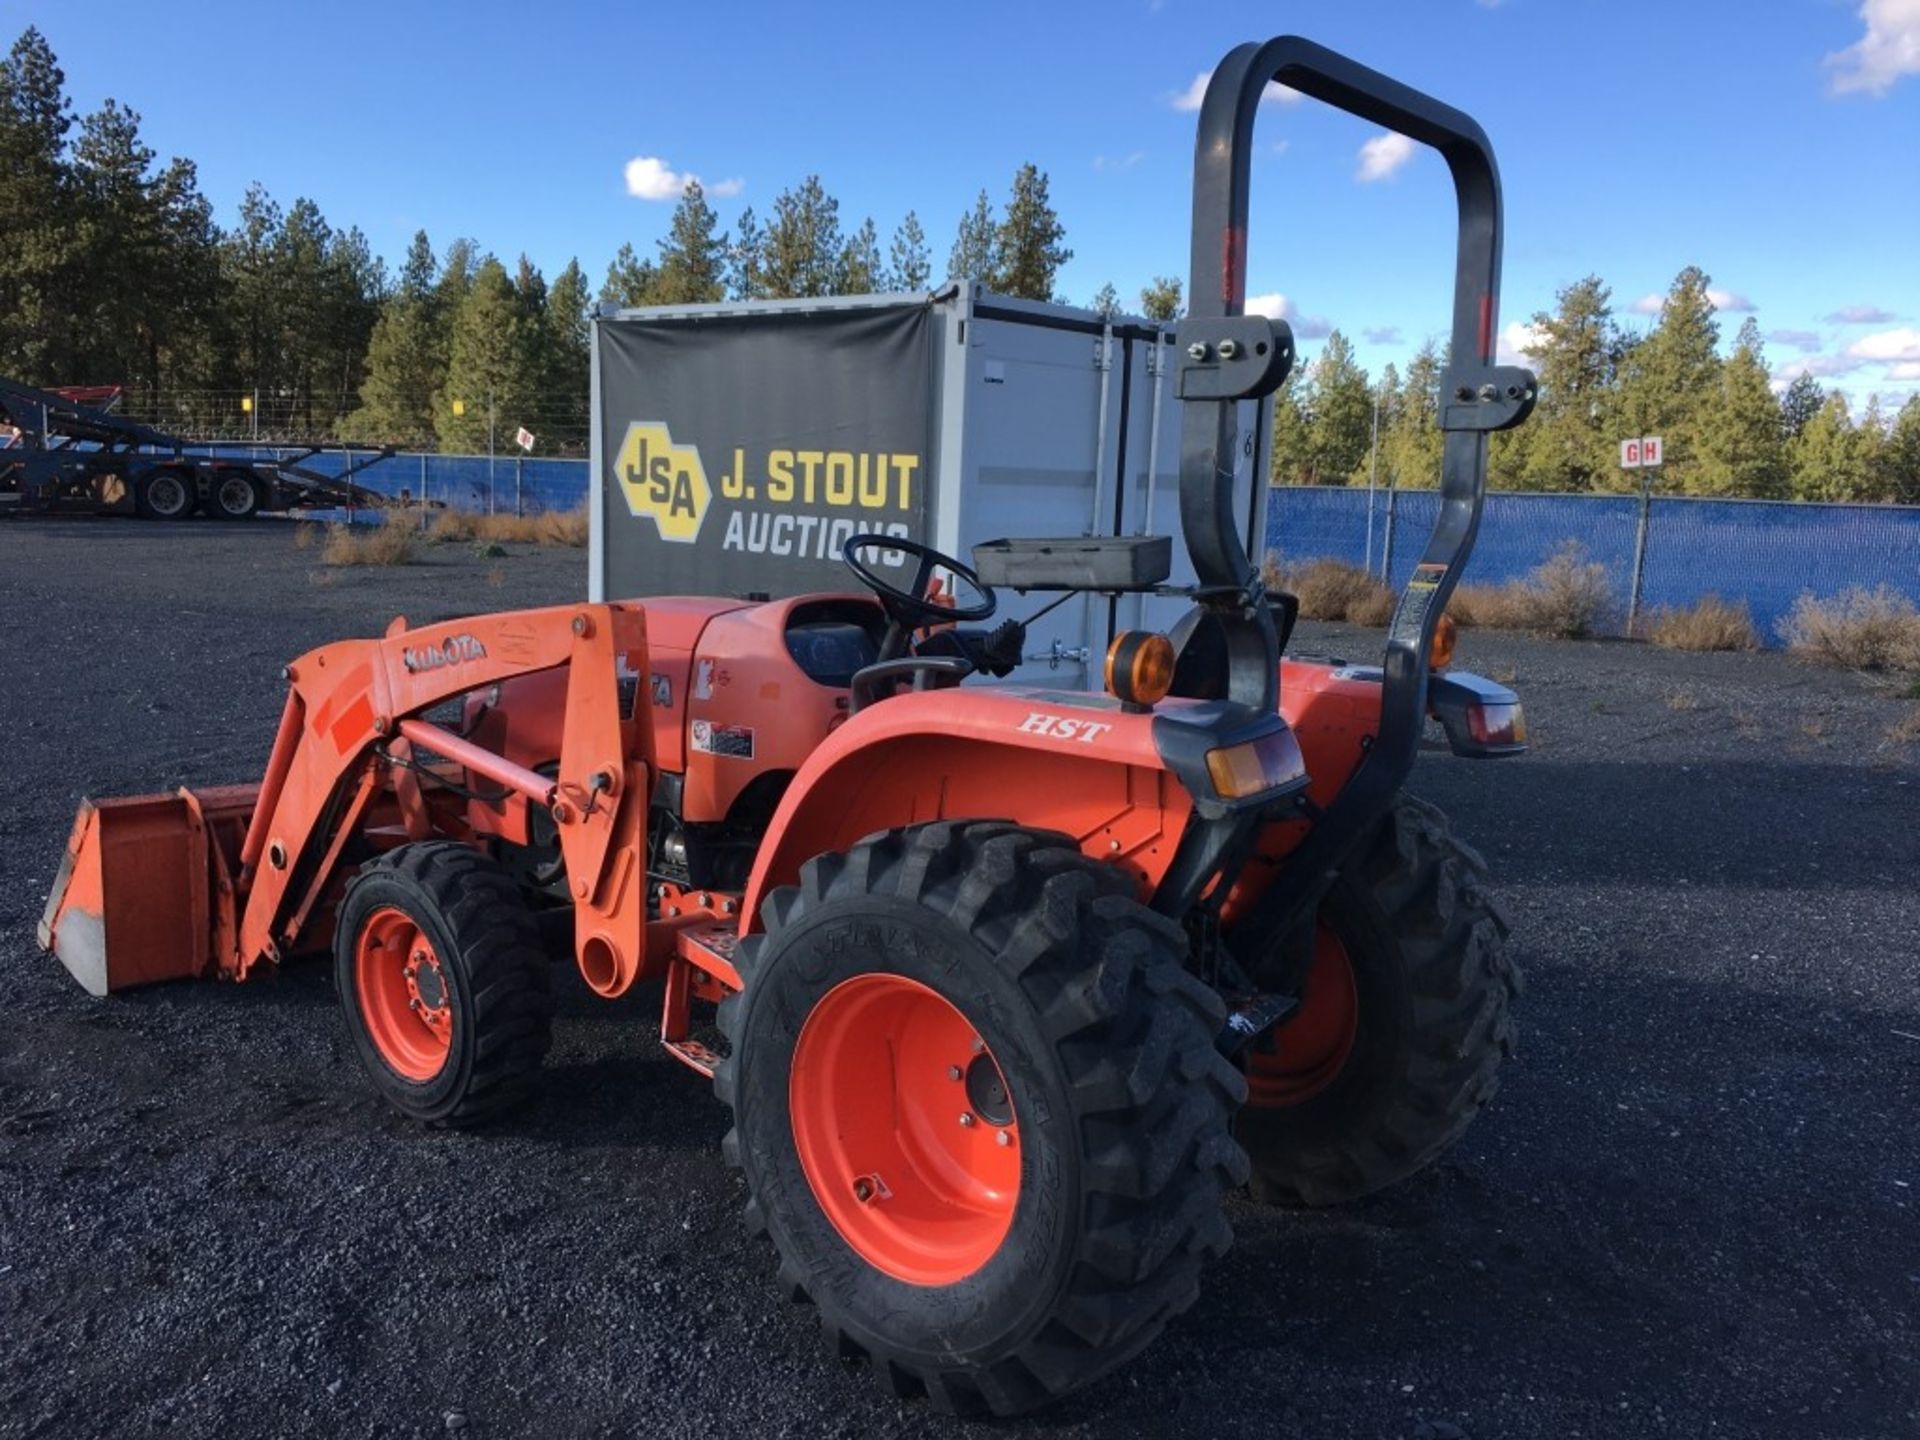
(860, 268)
(1411, 442)
(1745, 448)
(1870, 453)
(419, 270)
(908, 266)
(1825, 457)
(630, 280)
(1339, 411)
(1105, 302)
(1289, 451)
(693, 256)
(1671, 380)
(973, 257)
(746, 259)
(1903, 454)
(565, 358)
(1161, 300)
(804, 253)
(1800, 403)
(40, 243)
(1575, 354)
(492, 365)
(1028, 251)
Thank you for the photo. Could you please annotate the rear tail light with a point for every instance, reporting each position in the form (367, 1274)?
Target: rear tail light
(1497, 724)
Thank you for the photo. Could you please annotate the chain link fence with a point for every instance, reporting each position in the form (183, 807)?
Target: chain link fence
(1666, 550)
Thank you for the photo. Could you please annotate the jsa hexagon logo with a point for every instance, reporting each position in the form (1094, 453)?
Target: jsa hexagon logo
(662, 481)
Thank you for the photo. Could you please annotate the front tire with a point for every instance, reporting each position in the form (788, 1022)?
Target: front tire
(440, 970)
(1402, 1026)
(989, 1273)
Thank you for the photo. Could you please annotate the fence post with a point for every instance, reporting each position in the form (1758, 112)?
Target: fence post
(1639, 552)
(1386, 543)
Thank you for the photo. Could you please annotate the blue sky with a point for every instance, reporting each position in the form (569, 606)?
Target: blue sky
(1774, 142)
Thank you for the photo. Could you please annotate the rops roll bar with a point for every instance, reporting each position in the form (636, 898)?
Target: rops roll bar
(1221, 359)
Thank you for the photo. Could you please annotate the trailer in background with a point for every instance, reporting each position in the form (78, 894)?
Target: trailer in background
(65, 452)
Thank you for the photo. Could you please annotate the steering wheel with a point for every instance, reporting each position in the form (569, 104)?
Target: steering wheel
(911, 609)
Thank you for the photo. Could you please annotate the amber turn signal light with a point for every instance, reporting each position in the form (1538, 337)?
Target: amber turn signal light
(1445, 633)
(1139, 667)
(1255, 767)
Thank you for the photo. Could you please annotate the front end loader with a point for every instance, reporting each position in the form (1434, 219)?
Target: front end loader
(1004, 988)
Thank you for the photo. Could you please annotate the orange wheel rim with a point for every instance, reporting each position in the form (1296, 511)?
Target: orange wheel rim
(1304, 1053)
(406, 997)
(905, 1129)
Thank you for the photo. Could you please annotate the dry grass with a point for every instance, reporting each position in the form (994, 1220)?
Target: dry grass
(305, 532)
(1333, 590)
(1858, 629)
(496, 577)
(1906, 730)
(1710, 623)
(1567, 598)
(391, 542)
(1682, 700)
(553, 527)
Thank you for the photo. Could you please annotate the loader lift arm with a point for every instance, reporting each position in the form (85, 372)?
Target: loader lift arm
(216, 882)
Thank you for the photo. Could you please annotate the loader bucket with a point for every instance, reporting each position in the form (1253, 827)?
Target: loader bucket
(142, 894)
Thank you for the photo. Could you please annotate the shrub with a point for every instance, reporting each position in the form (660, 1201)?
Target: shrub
(1710, 623)
(1568, 597)
(553, 527)
(1332, 590)
(389, 543)
(1858, 629)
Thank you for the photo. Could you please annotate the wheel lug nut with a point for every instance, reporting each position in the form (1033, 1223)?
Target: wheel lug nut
(966, 1117)
(1003, 1138)
(863, 1190)
(953, 1072)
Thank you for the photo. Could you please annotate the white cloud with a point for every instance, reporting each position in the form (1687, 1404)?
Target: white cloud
(1276, 306)
(651, 178)
(1905, 370)
(1901, 344)
(1382, 335)
(1381, 156)
(1861, 315)
(1519, 342)
(1189, 99)
(1805, 341)
(1729, 300)
(1119, 162)
(1821, 367)
(1889, 49)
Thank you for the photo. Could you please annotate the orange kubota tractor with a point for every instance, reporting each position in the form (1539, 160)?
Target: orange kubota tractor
(1005, 988)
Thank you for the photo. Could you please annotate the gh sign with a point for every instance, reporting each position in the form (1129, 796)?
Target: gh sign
(1640, 454)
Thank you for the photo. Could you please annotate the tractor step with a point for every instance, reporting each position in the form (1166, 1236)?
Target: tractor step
(701, 969)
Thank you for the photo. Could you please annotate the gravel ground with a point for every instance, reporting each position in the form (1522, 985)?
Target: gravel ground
(1690, 1212)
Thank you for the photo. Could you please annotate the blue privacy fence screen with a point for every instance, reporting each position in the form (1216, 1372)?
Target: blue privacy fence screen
(1765, 553)
(505, 485)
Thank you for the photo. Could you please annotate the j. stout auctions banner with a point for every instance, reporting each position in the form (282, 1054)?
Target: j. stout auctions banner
(742, 451)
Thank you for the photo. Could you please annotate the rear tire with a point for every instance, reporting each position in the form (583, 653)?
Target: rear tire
(233, 497)
(444, 982)
(166, 495)
(1413, 968)
(1119, 1108)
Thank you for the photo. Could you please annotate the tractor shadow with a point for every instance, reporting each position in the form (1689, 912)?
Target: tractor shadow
(1687, 1194)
